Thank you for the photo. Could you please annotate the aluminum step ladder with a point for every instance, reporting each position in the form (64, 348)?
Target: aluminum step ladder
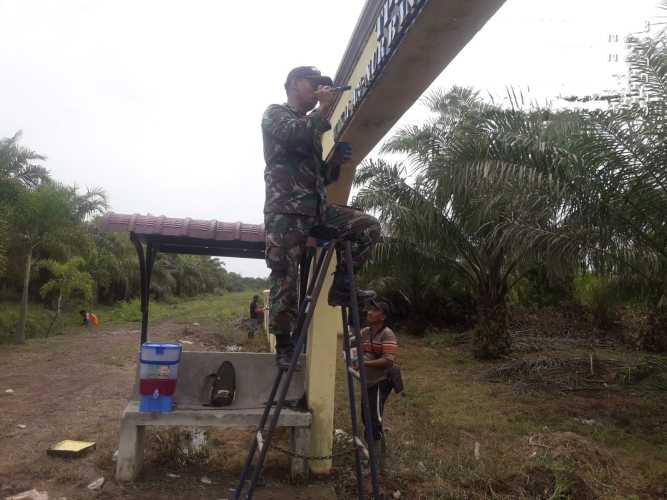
(309, 293)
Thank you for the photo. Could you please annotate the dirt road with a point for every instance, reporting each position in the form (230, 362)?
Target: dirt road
(76, 387)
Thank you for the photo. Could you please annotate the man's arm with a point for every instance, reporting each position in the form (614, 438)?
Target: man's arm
(389, 345)
(385, 362)
(284, 126)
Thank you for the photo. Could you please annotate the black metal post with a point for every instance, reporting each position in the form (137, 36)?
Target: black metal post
(368, 424)
(304, 275)
(143, 280)
(353, 405)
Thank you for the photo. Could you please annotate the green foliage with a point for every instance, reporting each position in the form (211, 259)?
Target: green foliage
(127, 311)
(477, 200)
(112, 262)
(69, 279)
(20, 165)
(19, 170)
(521, 199)
(623, 195)
(601, 296)
(50, 227)
(540, 288)
(38, 321)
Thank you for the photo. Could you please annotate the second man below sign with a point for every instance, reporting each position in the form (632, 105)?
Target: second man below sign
(296, 205)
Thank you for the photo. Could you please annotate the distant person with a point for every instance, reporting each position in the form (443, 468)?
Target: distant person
(88, 318)
(256, 311)
(379, 346)
(256, 315)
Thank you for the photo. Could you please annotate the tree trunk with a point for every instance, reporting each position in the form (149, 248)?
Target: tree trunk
(60, 303)
(491, 337)
(55, 318)
(20, 330)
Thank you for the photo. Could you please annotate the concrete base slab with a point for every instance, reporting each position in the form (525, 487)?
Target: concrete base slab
(255, 373)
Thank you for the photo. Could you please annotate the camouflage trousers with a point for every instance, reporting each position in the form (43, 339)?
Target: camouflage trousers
(286, 237)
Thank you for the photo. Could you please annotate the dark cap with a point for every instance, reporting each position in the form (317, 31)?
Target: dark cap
(308, 73)
(382, 306)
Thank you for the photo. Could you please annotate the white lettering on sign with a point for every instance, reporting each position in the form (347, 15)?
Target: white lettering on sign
(393, 20)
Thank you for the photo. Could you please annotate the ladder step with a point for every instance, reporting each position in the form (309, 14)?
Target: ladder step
(362, 445)
(354, 373)
(260, 441)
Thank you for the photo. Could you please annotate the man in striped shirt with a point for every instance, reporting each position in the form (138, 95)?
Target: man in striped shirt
(379, 345)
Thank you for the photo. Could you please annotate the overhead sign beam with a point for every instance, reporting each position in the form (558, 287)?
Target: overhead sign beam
(397, 49)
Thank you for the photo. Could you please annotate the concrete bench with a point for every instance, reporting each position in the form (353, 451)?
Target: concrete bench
(255, 373)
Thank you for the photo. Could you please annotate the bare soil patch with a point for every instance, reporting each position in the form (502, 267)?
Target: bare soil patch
(76, 386)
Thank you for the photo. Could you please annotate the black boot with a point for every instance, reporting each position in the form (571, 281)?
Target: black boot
(340, 291)
(284, 351)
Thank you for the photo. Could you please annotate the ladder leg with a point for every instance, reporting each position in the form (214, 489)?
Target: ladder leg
(305, 282)
(353, 403)
(260, 428)
(368, 424)
(309, 304)
(304, 271)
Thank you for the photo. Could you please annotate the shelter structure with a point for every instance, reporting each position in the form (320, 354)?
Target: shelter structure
(151, 235)
(255, 371)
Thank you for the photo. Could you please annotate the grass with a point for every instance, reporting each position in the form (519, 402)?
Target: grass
(447, 408)
(610, 443)
(201, 309)
(37, 323)
(206, 309)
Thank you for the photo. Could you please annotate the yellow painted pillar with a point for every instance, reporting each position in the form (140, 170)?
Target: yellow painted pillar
(321, 377)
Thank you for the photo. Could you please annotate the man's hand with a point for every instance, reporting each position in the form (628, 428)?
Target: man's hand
(326, 96)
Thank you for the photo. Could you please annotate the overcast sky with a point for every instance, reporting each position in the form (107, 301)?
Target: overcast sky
(159, 102)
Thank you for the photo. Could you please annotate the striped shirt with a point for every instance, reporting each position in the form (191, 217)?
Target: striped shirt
(382, 344)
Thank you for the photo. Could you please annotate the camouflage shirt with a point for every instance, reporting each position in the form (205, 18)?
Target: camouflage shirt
(295, 174)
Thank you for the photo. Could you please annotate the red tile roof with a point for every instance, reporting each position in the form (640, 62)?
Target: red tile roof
(184, 228)
(191, 236)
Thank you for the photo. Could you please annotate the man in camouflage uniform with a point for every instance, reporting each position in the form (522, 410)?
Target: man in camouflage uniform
(296, 206)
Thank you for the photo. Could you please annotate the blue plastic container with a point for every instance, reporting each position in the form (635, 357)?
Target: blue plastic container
(160, 353)
(158, 369)
(153, 403)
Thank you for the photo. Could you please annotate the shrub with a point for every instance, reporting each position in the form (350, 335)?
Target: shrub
(601, 297)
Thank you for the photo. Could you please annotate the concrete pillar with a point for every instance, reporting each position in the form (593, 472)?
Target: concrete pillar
(130, 450)
(321, 376)
(299, 443)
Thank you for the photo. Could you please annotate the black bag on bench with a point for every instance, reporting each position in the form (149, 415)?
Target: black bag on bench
(223, 388)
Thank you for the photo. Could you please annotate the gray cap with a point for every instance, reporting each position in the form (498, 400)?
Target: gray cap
(382, 305)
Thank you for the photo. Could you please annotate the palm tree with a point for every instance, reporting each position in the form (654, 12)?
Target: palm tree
(482, 196)
(625, 150)
(19, 169)
(20, 164)
(51, 214)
